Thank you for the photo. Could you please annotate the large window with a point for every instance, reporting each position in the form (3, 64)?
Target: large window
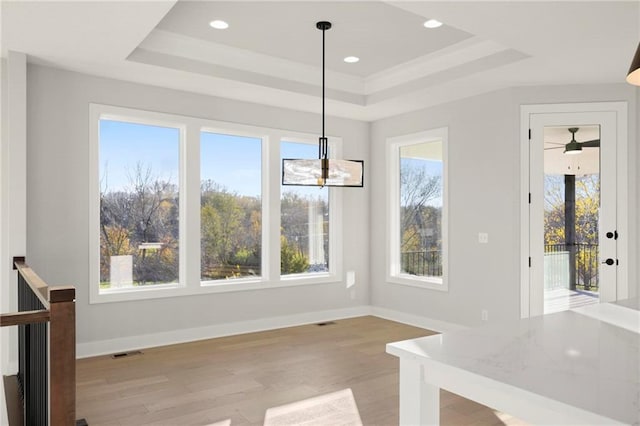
(139, 193)
(304, 220)
(230, 206)
(183, 205)
(418, 209)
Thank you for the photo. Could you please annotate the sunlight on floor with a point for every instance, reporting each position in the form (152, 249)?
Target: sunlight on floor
(329, 409)
(221, 423)
(561, 299)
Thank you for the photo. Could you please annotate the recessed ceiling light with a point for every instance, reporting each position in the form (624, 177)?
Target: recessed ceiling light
(218, 25)
(432, 23)
(351, 59)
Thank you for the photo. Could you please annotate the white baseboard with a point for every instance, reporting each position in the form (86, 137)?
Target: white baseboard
(415, 320)
(129, 343)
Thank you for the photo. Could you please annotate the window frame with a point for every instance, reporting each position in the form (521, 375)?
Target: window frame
(103, 112)
(394, 274)
(249, 132)
(189, 282)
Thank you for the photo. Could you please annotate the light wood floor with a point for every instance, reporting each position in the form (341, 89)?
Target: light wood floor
(240, 377)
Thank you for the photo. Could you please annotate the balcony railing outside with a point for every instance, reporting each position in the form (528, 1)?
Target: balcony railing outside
(429, 263)
(586, 264)
(424, 263)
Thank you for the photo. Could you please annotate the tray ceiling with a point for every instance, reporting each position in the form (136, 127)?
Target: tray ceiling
(271, 52)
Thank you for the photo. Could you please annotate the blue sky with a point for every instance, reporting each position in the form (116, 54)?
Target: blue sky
(123, 145)
(231, 161)
(432, 167)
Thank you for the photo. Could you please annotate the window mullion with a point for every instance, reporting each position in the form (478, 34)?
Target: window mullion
(271, 229)
(190, 207)
(336, 216)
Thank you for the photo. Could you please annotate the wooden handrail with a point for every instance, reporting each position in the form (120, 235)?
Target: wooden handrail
(26, 317)
(59, 310)
(38, 286)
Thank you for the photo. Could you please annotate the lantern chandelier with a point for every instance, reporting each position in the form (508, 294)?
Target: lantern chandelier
(324, 171)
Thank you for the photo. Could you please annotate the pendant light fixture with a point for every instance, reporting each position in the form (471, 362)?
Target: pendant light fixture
(634, 72)
(324, 171)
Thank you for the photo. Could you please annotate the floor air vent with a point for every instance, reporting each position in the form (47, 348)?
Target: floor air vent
(126, 354)
(322, 324)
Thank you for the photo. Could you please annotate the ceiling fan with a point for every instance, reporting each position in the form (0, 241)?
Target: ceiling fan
(575, 147)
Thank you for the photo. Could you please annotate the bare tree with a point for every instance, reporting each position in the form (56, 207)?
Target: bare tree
(143, 212)
(417, 190)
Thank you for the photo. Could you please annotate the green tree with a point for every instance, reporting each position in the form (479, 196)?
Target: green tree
(230, 233)
(294, 209)
(292, 260)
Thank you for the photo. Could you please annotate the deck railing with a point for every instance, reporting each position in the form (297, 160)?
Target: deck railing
(586, 263)
(46, 321)
(424, 263)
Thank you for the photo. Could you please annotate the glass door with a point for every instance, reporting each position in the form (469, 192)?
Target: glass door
(572, 210)
(571, 216)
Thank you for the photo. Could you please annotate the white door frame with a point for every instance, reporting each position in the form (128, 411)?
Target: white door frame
(620, 110)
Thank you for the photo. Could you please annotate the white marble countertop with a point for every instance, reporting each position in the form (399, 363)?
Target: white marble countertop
(629, 303)
(624, 313)
(568, 357)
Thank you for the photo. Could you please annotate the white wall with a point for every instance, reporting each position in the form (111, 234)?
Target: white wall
(4, 289)
(634, 141)
(12, 195)
(57, 241)
(484, 179)
(484, 184)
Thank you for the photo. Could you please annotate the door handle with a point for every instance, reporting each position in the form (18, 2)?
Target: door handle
(613, 235)
(609, 261)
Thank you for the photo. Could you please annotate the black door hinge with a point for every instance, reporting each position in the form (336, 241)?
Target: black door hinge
(529, 134)
(529, 261)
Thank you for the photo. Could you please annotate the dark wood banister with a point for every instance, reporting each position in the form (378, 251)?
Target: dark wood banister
(38, 286)
(60, 312)
(26, 317)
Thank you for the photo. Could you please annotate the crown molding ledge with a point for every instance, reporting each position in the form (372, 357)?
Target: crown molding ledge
(467, 51)
(177, 45)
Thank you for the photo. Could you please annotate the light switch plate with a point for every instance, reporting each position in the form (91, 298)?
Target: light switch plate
(483, 237)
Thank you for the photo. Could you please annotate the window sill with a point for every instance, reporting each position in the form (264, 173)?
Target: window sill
(209, 287)
(431, 283)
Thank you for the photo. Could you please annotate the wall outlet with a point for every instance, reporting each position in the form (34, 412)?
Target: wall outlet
(485, 315)
(483, 238)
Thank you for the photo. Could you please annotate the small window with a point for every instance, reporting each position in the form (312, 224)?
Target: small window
(418, 216)
(304, 220)
(230, 206)
(139, 210)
